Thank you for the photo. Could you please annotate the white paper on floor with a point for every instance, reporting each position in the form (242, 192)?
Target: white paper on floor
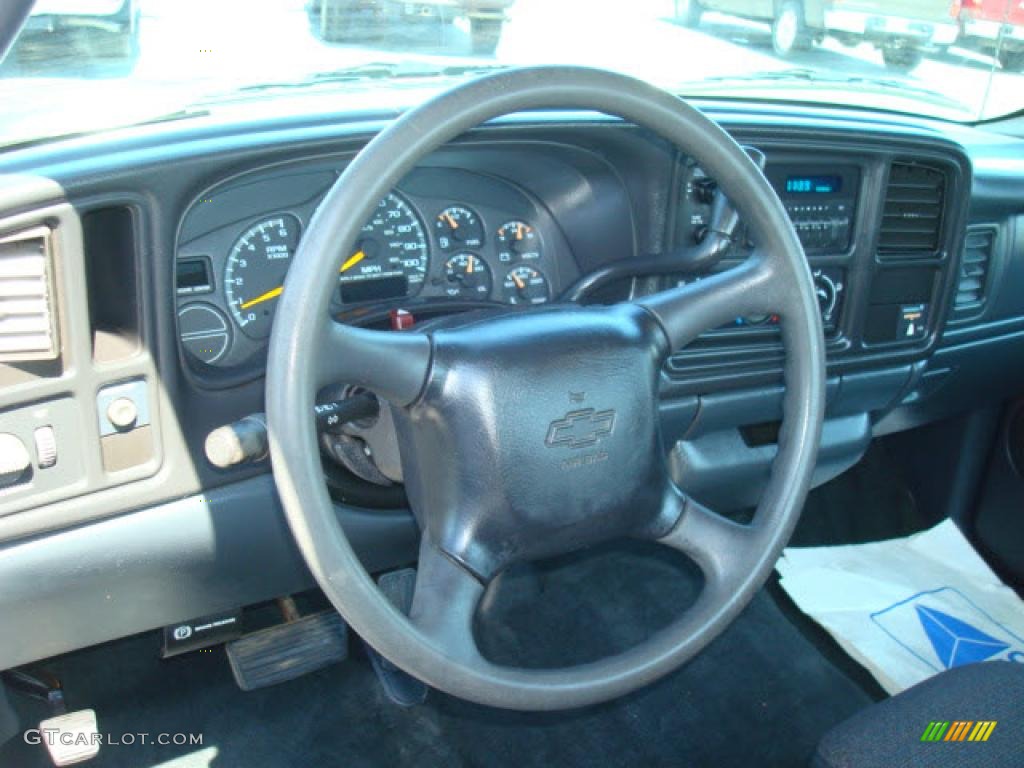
(908, 608)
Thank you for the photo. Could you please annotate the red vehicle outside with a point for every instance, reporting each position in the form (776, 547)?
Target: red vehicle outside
(995, 27)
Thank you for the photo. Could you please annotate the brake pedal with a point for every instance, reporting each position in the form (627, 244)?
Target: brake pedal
(286, 651)
(402, 688)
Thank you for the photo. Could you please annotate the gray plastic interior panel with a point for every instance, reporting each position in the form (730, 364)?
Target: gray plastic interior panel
(723, 472)
(75, 376)
(173, 562)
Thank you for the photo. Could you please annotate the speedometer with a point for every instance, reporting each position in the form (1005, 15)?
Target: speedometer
(391, 255)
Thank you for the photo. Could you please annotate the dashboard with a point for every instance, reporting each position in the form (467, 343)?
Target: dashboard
(163, 251)
(474, 228)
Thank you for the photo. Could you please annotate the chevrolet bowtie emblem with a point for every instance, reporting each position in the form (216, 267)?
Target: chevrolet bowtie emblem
(580, 428)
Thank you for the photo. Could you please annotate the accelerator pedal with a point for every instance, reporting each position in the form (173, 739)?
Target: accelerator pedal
(287, 651)
(402, 688)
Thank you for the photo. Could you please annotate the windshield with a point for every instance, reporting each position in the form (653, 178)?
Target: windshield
(85, 65)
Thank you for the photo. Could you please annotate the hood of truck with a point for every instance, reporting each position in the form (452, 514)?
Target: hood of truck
(77, 7)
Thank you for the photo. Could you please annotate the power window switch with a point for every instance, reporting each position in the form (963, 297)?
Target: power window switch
(46, 446)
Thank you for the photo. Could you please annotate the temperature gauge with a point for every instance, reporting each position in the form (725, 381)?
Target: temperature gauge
(468, 275)
(525, 285)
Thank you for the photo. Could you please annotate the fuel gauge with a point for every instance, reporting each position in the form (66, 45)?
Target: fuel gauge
(458, 227)
(525, 285)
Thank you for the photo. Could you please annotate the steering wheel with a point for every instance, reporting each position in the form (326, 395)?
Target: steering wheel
(529, 434)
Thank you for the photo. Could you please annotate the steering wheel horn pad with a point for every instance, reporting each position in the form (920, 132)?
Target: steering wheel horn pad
(538, 434)
(532, 433)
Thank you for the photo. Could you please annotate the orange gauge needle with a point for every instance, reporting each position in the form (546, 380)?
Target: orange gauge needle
(451, 222)
(519, 231)
(518, 281)
(273, 293)
(470, 264)
(352, 260)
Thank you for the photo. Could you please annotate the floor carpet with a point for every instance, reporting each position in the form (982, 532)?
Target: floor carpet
(762, 694)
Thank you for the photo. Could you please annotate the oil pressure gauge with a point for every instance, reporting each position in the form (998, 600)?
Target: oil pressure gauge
(468, 276)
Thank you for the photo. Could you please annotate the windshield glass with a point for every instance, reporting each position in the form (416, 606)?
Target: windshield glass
(85, 65)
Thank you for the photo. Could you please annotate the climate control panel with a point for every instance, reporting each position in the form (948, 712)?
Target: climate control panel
(829, 287)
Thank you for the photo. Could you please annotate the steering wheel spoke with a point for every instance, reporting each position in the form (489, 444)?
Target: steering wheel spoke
(718, 545)
(690, 310)
(392, 365)
(444, 603)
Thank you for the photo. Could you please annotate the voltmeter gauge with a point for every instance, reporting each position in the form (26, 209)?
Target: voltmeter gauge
(517, 241)
(525, 285)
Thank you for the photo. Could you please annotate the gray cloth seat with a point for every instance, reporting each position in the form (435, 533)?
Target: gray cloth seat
(889, 734)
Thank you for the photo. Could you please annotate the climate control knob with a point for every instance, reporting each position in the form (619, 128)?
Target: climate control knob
(827, 293)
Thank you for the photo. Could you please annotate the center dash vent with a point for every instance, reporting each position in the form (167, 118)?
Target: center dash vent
(979, 246)
(27, 320)
(912, 217)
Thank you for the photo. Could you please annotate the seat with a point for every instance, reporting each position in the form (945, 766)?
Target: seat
(933, 724)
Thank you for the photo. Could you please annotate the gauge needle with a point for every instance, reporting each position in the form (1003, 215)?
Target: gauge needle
(519, 232)
(352, 260)
(518, 281)
(470, 264)
(451, 222)
(273, 293)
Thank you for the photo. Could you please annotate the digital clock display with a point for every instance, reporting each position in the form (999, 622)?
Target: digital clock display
(813, 185)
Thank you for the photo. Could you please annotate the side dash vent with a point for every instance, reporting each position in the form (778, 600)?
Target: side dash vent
(28, 323)
(979, 246)
(912, 216)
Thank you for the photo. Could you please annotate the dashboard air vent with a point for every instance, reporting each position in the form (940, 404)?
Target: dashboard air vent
(27, 321)
(974, 265)
(912, 217)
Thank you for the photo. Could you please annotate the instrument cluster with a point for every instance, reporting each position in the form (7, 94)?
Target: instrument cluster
(423, 248)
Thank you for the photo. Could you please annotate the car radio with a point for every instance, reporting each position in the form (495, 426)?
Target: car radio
(820, 202)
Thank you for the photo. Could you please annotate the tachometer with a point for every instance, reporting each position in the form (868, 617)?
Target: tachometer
(391, 256)
(255, 270)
